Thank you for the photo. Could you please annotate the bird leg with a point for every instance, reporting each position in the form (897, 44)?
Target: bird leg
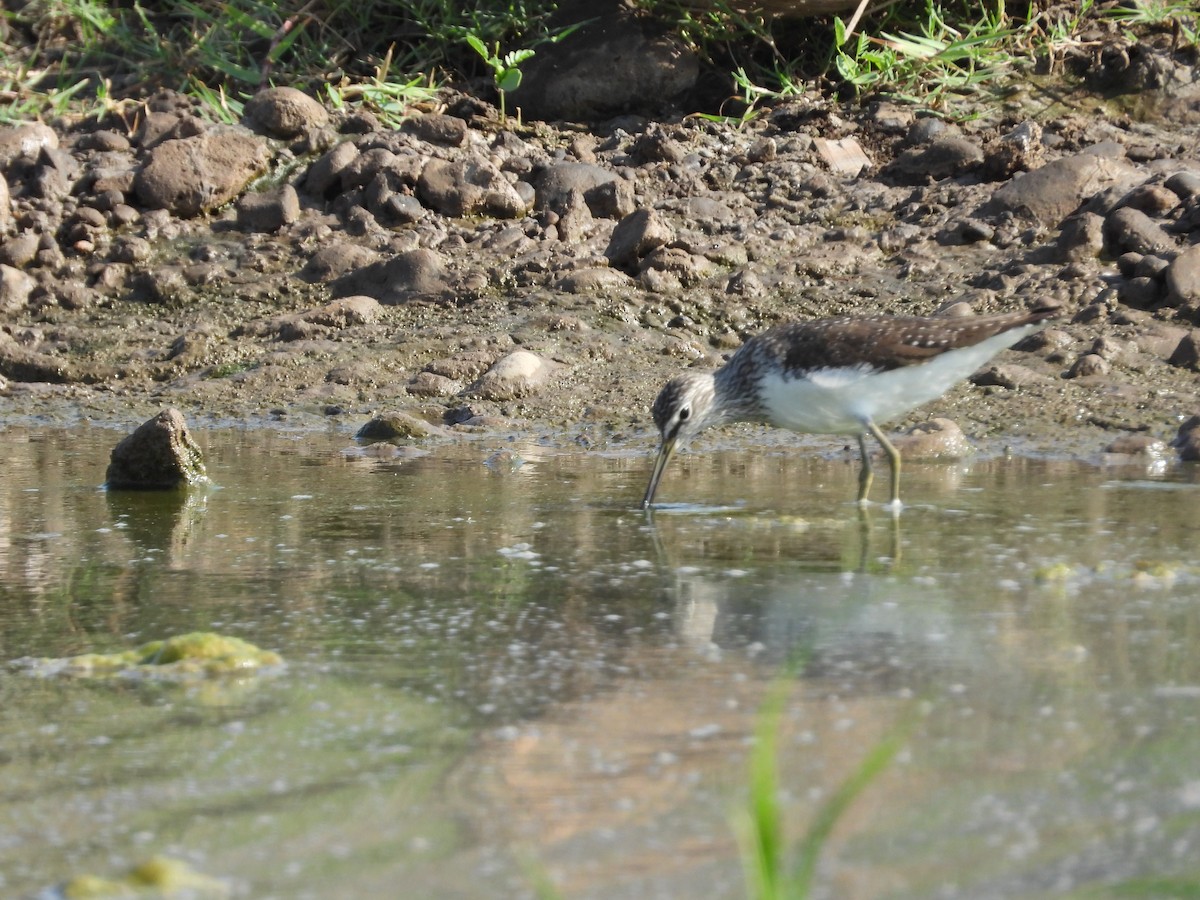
(893, 456)
(864, 473)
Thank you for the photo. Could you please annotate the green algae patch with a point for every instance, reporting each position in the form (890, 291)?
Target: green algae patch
(159, 876)
(200, 654)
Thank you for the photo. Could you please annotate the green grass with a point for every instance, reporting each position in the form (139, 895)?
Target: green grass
(86, 57)
(774, 871)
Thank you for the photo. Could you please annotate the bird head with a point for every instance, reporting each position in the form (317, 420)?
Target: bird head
(684, 408)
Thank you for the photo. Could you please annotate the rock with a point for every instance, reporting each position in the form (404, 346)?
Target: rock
(159, 455)
(1136, 445)
(1130, 229)
(397, 426)
(437, 128)
(337, 259)
(324, 177)
(268, 211)
(1081, 237)
(635, 236)
(359, 310)
(1089, 364)
(20, 250)
(18, 363)
(1188, 440)
(515, 375)
(1187, 352)
(607, 195)
(612, 65)
(15, 288)
(1152, 199)
(1183, 278)
(1017, 151)
(1184, 184)
(1056, 190)
(471, 187)
(192, 175)
(285, 112)
(946, 157)
(24, 140)
(404, 276)
(1140, 292)
(1010, 376)
(574, 220)
(5, 205)
(592, 280)
(934, 439)
(429, 384)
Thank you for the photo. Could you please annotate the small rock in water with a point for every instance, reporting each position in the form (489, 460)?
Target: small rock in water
(159, 455)
(396, 426)
(934, 439)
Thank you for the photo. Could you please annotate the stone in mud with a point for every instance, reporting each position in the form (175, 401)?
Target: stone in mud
(1136, 445)
(20, 250)
(574, 220)
(268, 211)
(1010, 376)
(397, 426)
(1183, 278)
(414, 273)
(615, 64)
(159, 455)
(515, 375)
(1187, 441)
(592, 280)
(18, 363)
(324, 177)
(193, 175)
(607, 195)
(1187, 353)
(1081, 237)
(429, 384)
(337, 259)
(437, 128)
(1017, 151)
(285, 112)
(15, 288)
(345, 312)
(1057, 189)
(1184, 184)
(1152, 199)
(636, 236)
(24, 140)
(1130, 230)
(946, 157)
(1140, 292)
(934, 439)
(5, 206)
(471, 187)
(1089, 364)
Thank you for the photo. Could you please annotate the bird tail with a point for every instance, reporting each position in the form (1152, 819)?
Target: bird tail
(1044, 309)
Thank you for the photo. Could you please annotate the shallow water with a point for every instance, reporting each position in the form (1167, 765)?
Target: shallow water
(502, 675)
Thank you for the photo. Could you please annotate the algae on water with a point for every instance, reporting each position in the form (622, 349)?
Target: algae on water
(200, 654)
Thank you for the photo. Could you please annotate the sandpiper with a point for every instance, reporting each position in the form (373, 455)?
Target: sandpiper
(836, 376)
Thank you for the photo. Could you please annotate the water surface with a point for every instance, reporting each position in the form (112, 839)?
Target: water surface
(501, 674)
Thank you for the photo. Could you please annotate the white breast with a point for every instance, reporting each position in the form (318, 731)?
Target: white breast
(839, 401)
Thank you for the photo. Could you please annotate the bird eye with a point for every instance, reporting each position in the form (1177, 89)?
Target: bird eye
(685, 413)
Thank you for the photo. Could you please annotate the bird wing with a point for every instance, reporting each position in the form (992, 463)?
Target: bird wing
(881, 343)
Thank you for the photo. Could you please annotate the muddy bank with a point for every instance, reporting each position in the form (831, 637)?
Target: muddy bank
(307, 268)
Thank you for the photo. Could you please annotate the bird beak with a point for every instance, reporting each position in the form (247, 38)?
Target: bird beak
(665, 451)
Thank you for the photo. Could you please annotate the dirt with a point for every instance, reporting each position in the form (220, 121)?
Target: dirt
(221, 315)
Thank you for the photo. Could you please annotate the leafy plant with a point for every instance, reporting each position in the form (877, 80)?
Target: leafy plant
(506, 69)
